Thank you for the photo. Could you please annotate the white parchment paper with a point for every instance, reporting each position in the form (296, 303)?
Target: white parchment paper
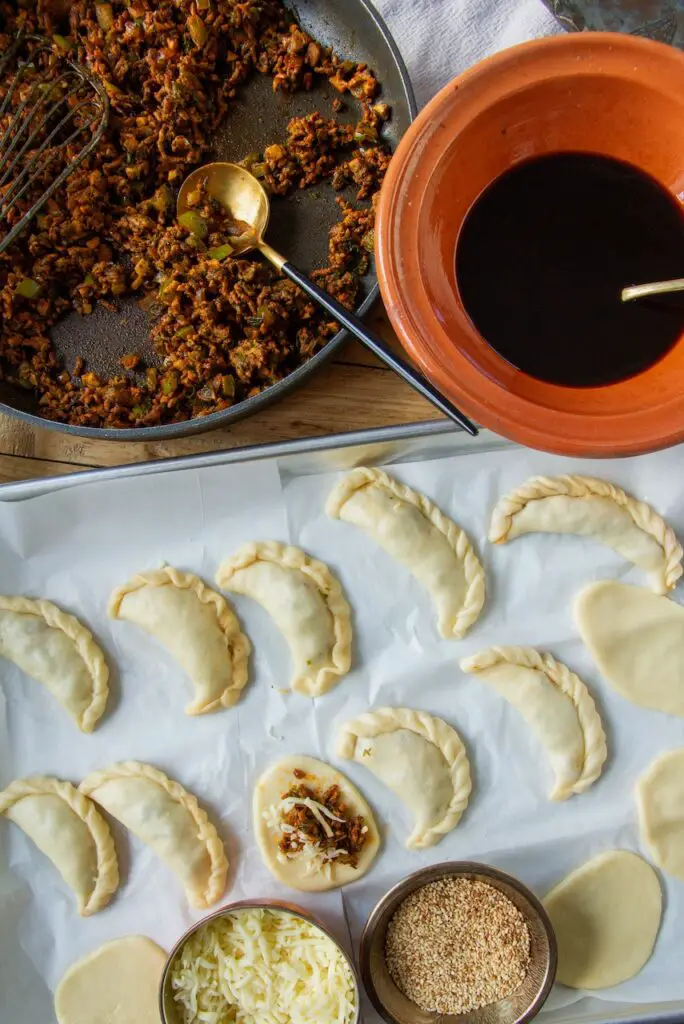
(74, 546)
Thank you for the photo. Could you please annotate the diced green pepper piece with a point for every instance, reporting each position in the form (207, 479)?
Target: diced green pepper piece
(104, 15)
(27, 288)
(220, 252)
(162, 198)
(368, 241)
(198, 30)
(195, 224)
(89, 279)
(184, 332)
(169, 382)
(62, 42)
(228, 386)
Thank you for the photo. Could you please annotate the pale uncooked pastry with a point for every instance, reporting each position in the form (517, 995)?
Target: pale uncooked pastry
(308, 872)
(556, 704)
(196, 625)
(606, 917)
(636, 639)
(660, 802)
(68, 828)
(56, 650)
(306, 603)
(420, 758)
(115, 984)
(592, 508)
(164, 815)
(410, 528)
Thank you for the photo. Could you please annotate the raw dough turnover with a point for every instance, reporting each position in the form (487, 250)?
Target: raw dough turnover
(164, 815)
(636, 638)
(306, 603)
(67, 828)
(56, 650)
(412, 530)
(420, 758)
(115, 984)
(196, 625)
(606, 917)
(592, 508)
(557, 706)
(660, 802)
(309, 871)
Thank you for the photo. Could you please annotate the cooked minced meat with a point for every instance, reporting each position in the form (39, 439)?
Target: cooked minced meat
(223, 328)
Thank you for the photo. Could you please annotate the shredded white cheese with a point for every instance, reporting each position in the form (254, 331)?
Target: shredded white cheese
(263, 967)
(315, 860)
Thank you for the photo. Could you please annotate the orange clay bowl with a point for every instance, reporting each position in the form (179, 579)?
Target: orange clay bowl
(616, 95)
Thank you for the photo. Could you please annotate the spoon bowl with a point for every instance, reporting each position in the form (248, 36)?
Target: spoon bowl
(237, 191)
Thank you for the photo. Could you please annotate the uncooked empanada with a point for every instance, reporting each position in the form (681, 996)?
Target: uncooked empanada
(170, 820)
(69, 829)
(57, 651)
(306, 603)
(660, 802)
(196, 625)
(592, 508)
(293, 824)
(420, 758)
(556, 704)
(636, 638)
(410, 528)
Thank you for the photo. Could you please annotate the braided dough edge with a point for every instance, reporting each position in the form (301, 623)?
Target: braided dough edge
(82, 638)
(643, 516)
(435, 731)
(206, 832)
(456, 537)
(330, 589)
(239, 647)
(560, 676)
(107, 880)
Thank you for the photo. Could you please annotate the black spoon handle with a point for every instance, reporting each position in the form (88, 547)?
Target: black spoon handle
(379, 347)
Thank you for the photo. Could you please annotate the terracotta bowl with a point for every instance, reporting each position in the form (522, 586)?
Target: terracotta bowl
(616, 95)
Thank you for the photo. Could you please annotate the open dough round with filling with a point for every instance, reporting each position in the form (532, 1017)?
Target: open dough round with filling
(288, 851)
(116, 984)
(606, 917)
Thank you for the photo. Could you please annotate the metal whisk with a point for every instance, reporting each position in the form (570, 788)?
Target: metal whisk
(42, 120)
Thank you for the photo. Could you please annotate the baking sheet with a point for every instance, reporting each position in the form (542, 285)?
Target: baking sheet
(75, 545)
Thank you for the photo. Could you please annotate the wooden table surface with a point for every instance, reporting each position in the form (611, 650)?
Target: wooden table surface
(352, 392)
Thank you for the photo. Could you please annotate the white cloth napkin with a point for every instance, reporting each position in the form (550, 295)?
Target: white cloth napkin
(440, 38)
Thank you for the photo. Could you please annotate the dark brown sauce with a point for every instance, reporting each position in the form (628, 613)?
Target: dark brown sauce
(543, 256)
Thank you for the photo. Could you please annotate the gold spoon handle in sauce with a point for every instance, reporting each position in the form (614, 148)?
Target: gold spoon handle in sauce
(642, 291)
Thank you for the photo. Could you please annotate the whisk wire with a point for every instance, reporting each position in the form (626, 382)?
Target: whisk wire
(39, 122)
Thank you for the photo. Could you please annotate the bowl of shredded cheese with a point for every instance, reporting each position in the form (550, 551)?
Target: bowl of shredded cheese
(458, 942)
(259, 962)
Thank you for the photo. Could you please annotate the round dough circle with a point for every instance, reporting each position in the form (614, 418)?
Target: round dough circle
(116, 984)
(606, 916)
(660, 803)
(270, 787)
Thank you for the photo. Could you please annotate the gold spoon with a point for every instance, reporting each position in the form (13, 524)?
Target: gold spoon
(642, 291)
(242, 195)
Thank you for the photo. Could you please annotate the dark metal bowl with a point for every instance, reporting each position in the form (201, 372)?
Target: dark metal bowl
(299, 226)
(519, 1008)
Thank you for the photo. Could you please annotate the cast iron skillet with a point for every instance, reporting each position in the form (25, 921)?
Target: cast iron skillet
(299, 225)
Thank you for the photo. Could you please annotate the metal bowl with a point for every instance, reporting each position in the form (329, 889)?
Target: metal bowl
(167, 1007)
(518, 1008)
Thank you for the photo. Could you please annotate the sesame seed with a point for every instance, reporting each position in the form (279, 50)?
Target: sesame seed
(456, 945)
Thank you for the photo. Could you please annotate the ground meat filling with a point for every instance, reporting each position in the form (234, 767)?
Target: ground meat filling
(223, 328)
(338, 836)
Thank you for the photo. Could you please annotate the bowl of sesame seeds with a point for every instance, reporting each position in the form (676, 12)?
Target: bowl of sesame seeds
(458, 940)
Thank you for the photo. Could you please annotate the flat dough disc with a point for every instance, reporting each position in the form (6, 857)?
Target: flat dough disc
(660, 801)
(606, 916)
(636, 638)
(116, 984)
